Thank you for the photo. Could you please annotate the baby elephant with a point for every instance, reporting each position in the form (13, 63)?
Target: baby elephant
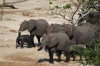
(22, 39)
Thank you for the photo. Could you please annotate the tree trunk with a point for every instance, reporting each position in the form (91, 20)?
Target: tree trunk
(2, 9)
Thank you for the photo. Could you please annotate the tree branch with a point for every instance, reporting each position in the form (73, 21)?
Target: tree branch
(63, 16)
(83, 15)
(75, 12)
(11, 6)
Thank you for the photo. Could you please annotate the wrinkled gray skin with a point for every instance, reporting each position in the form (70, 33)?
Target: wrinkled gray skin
(35, 27)
(78, 51)
(21, 39)
(56, 42)
(81, 34)
(55, 28)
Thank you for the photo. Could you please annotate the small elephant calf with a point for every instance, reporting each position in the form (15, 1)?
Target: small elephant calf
(20, 40)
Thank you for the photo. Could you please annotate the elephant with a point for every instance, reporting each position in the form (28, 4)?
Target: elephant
(55, 28)
(35, 27)
(21, 39)
(81, 34)
(56, 42)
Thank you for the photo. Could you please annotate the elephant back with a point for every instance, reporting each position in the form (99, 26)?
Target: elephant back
(64, 41)
(38, 27)
(41, 26)
(83, 34)
(32, 26)
(56, 28)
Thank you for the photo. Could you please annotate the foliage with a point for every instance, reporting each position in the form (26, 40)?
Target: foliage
(67, 6)
(93, 17)
(92, 52)
(50, 2)
(60, 9)
(94, 4)
(83, 7)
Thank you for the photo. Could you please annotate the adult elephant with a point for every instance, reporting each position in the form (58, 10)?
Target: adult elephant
(56, 42)
(35, 27)
(81, 34)
(56, 28)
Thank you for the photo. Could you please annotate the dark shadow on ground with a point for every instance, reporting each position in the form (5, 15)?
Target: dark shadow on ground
(47, 60)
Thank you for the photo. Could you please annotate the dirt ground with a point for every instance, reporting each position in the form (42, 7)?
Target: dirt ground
(27, 9)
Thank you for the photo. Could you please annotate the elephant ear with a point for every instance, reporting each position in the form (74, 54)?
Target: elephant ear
(53, 41)
(31, 25)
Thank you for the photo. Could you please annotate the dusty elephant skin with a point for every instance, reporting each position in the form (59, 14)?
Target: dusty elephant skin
(35, 27)
(56, 28)
(56, 42)
(81, 34)
(21, 39)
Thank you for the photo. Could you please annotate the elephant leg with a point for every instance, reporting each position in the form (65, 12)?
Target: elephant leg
(32, 41)
(73, 55)
(51, 52)
(59, 55)
(38, 37)
(80, 57)
(22, 43)
(16, 45)
(67, 53)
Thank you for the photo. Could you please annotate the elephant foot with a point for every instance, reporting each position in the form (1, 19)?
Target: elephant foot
(73, 59)
(51, 62)
(67, 60)
(21, 47)
(38, 45)
(80, 60)
(33, 46)
(16, 47)
(58, 60)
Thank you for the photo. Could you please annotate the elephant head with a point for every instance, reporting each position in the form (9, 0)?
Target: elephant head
(68, 29)
(23, 26)
(30, 25)
(48, 41)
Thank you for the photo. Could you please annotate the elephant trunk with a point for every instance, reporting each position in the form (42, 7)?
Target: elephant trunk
(19, 33)
(42, 46)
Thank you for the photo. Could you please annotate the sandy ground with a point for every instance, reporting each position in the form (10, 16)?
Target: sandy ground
(27, 9)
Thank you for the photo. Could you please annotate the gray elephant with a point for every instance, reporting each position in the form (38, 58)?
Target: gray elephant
(81, 34)
(22, 39)
(55, 28)
(35, 27)
(56, 42)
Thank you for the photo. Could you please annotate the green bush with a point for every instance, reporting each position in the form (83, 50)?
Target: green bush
(92, 52)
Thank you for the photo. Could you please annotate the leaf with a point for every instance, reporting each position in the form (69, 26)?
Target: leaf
(50, 2)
